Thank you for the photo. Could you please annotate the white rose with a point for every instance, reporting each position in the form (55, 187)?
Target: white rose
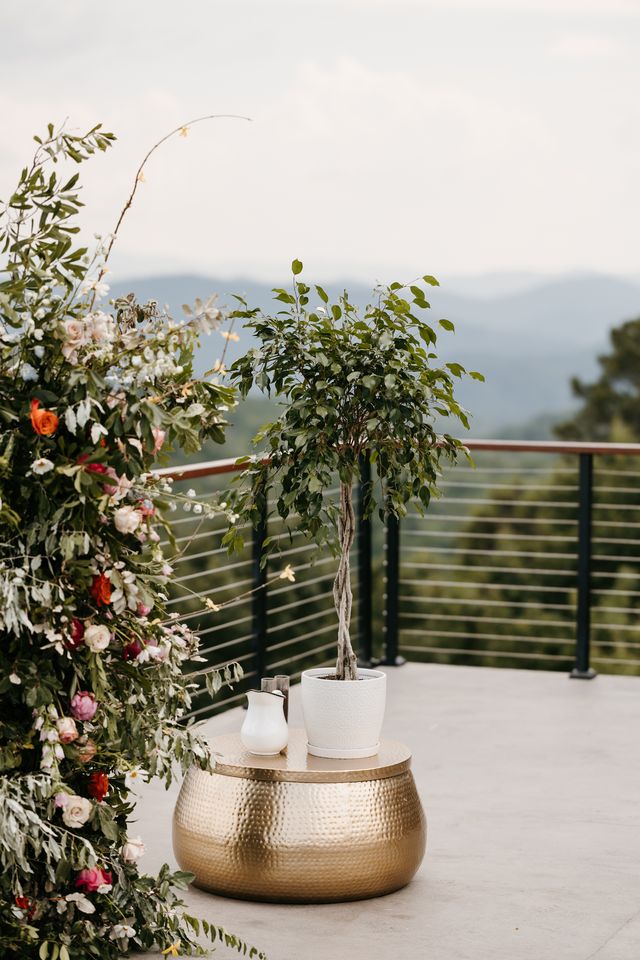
(132, 850)
(97, 637)
(127, 519)
(67, 730)
(100, 327)
(76, 812)
(74, 338)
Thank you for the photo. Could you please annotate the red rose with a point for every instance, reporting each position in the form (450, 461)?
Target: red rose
(76, 634)
(92, 879)
(91, 467)
(101, 589)
(23, 902)
(98, 786)
(131, 650)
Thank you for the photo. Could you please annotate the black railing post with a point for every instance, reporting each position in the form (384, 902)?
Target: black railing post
(258, 583)
(392, 571)
(365, 600)
(582, 670)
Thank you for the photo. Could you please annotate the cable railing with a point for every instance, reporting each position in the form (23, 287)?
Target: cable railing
(530, 559)
(531, 564)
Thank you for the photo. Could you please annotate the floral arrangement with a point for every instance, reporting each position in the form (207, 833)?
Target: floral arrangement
(92, 686)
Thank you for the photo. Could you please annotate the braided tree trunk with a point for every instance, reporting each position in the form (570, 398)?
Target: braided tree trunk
(346, 665)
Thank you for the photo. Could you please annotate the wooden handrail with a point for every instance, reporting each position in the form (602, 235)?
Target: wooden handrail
(213, 468)
(555, 446)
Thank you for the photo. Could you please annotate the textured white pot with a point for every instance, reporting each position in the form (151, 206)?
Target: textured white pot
(343, 718)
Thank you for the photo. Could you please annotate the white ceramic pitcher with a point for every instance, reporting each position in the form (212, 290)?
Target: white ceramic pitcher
(265, 731)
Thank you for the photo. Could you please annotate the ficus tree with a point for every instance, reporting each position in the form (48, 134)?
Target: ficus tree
(353, 384)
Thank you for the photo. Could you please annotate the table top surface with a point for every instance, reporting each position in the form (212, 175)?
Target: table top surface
(295, 764)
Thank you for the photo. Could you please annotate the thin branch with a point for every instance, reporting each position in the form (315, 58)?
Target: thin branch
(123, 212)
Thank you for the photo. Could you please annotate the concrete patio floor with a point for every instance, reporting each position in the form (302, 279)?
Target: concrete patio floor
(531, 785)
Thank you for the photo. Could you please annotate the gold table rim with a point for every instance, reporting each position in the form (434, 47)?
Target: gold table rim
(296, 766)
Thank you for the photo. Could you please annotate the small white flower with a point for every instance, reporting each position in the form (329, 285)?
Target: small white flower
(14, 678)
(133, 778)
(191, 492)
(41, 465)
(288, 574)
(97, 637)
(197, 508)
(98, 286)
(76, 812)
(120, 930)
(28, 373)
(132, 850)
(39, 350)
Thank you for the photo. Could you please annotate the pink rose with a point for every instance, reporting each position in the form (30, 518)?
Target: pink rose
(159, 437)
(143, 610)
(83, 705)
(94, 880)
(119, 488)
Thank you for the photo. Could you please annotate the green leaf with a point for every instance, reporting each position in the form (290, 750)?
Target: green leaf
(447, 324)
(296, 267)
(477, 376)
(431, 280)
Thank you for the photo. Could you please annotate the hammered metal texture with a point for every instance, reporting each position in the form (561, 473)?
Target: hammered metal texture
(292, 841)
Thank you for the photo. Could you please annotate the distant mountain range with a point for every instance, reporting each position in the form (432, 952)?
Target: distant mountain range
(528, 338)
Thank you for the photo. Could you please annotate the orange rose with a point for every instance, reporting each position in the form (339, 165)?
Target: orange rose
(101, 590)
(44, 422)
(86, 750)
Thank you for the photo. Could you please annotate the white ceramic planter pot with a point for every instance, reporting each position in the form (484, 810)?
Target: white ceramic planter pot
(343, 718)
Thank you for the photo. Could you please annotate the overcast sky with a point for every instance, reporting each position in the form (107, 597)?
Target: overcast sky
(388, 137)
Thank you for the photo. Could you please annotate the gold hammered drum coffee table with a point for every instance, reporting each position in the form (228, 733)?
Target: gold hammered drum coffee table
(300, 829)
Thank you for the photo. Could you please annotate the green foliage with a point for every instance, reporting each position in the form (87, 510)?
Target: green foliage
(354, 386)
(92, 688)
(611, 404)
